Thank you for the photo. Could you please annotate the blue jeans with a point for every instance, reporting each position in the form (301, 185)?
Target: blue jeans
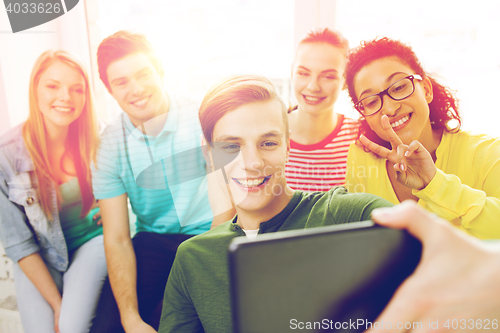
(154, 255)
(80, 286)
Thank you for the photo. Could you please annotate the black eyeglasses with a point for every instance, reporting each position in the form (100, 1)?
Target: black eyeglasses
(399, 90)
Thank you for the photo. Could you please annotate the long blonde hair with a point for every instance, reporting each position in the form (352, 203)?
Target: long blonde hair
(81, 142)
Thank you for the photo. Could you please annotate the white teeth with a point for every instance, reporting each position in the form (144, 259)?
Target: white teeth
(400, 121)
(140, 103)
(250, 182)
(311, 99)
(61, 109)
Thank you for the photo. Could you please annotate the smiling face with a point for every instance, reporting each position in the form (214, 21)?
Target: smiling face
(254, 134)
(408, 117)
(60, 94)
(137, 87)
(317, 77)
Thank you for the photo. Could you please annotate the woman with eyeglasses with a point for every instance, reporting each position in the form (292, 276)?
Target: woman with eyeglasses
(410, 146)
(320, 137)
(48, 218)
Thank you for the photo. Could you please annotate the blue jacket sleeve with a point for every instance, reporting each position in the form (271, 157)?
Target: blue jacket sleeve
(15, 235)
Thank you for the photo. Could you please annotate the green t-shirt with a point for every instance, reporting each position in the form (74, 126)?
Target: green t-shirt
(197, 293)
(76, 231)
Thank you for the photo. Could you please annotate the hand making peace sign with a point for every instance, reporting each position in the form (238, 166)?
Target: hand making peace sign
(413, 163)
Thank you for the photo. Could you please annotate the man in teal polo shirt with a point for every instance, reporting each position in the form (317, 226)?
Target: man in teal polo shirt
(151, 155)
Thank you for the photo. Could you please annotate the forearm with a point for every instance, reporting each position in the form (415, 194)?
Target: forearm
(37, 272)
(476, 212)
(121, 261)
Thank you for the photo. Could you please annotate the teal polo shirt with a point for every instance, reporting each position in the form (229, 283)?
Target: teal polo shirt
(164, 176)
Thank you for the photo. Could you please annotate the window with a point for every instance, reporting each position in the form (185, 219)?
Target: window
(200, 42)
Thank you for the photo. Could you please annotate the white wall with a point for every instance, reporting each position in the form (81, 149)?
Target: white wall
(19, 51)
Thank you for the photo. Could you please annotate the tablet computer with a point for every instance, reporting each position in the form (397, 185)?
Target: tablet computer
(313, 279)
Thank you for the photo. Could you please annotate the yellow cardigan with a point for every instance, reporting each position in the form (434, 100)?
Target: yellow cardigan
(465, 189)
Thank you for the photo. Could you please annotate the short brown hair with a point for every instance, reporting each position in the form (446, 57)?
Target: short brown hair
(119, 45)
(232, 93)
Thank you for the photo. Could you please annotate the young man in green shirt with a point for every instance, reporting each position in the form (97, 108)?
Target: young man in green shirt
(246, 125)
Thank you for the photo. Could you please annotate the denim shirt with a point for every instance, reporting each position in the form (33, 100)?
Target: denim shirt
(24, 228)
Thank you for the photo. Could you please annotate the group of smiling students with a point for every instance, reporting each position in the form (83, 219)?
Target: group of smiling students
(55, 165)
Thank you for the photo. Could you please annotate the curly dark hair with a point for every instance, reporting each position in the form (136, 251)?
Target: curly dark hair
(444, 105)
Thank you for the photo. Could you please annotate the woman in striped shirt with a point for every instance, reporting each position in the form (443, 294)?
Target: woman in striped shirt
(320, 137)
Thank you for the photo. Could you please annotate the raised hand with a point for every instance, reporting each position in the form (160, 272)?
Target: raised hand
(455, 283)
(413, 163)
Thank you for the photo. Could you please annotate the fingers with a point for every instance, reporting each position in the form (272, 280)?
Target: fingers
(408, 215)
(398, 312)
(374, 148)
(400, 165)
(392, 137)
(97, 218)
(398, 158)
(414, 146)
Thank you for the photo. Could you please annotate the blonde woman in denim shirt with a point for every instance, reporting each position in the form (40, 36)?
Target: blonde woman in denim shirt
(48, 219)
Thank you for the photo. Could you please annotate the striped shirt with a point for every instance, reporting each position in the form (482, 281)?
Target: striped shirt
(164, 176)
(321, 166)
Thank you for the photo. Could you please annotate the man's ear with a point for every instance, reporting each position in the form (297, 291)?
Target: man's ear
(207, 154)
(429, 94)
